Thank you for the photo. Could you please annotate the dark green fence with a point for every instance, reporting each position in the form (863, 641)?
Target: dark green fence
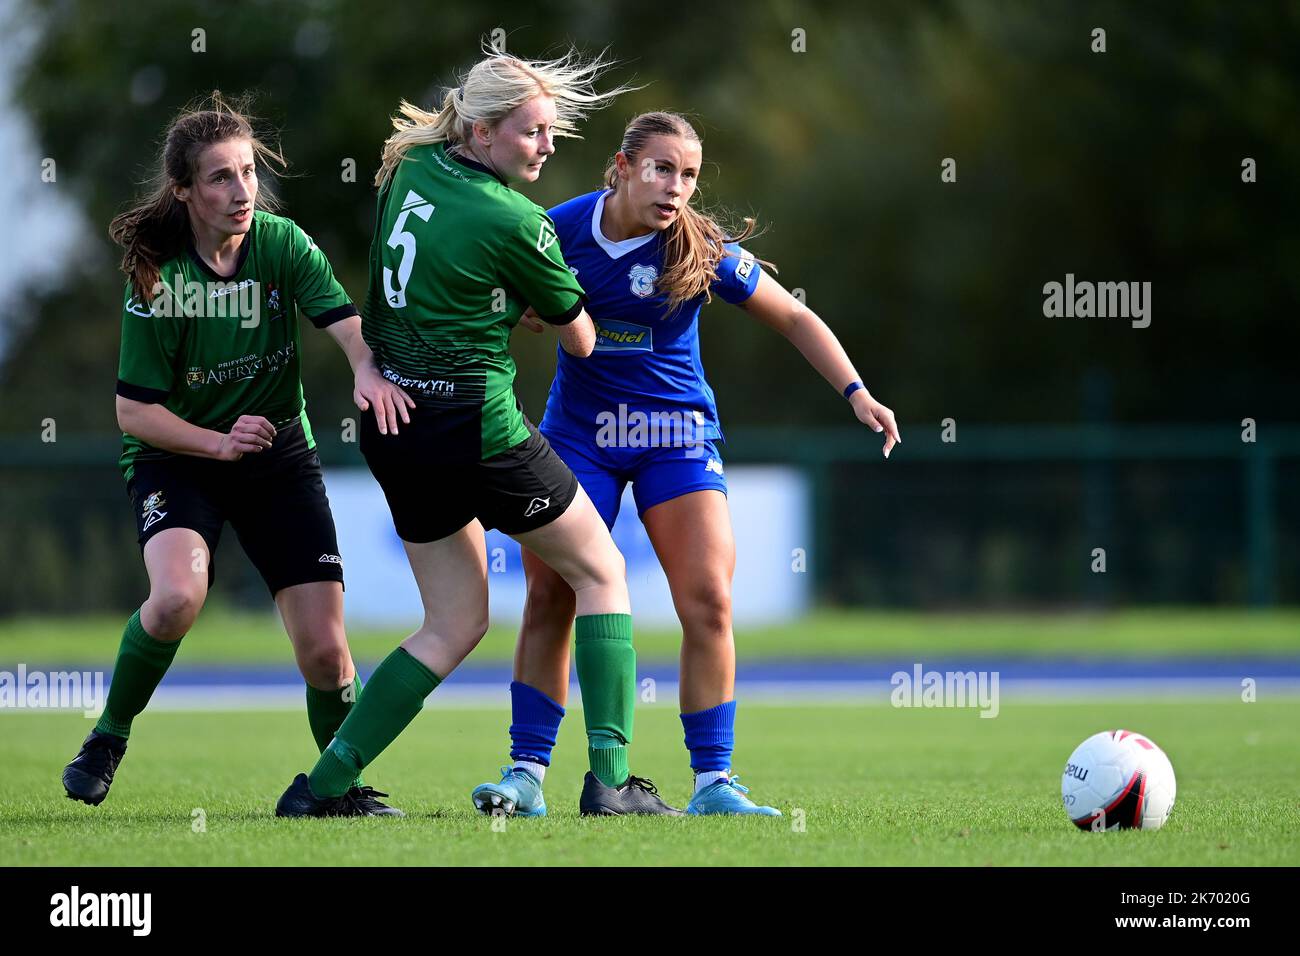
(1001, 517)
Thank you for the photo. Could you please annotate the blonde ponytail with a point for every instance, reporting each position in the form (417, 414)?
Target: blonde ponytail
(490, 90)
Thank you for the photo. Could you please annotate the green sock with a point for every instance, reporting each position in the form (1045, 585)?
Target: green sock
(141, 663)
(394, 695)
(326, 711)
(607, 675)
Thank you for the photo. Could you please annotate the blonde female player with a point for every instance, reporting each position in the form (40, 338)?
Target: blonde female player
(457, 257)
(647, 262)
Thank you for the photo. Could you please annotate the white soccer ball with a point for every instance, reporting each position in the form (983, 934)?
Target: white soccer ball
(1118, 780)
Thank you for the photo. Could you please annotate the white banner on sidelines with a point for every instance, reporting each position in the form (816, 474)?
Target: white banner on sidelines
(769, 514)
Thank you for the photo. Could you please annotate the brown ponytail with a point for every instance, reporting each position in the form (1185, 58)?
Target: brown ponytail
(693, 244)
(155, 229)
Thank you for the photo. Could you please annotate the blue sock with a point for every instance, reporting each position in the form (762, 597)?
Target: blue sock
(536, 724)
(711, 736)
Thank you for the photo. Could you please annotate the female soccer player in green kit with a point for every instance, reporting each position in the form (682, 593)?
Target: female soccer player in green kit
(456, 259)
(209, 398)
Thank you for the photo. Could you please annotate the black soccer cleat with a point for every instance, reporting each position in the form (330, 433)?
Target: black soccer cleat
(366, 800)
(299, 801)
(636, 796)
(90, 774)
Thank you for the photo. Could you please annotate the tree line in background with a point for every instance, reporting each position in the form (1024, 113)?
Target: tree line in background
(829, 122)
(1123, 166)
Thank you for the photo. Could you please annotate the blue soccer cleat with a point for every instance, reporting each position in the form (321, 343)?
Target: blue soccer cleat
(728, 797)
(519, 794)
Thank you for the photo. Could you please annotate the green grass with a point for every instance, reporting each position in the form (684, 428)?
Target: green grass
(222, 636)
(876, 786)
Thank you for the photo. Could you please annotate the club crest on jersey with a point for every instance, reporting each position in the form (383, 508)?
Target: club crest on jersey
(194, 377)
(546, 237)
(150, 509)
(643, 280)
(273, 303)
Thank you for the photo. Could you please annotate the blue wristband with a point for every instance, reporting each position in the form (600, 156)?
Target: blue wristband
(852, 387)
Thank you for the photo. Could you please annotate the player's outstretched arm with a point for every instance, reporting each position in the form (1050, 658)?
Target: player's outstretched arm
(161, 428)
(776, 308)
(370, 388)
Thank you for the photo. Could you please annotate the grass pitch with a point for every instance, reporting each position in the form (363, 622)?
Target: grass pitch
(865, 785)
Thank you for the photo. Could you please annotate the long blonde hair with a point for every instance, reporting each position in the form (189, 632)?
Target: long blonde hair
(493, 87)
(693, 244)
(155, 228)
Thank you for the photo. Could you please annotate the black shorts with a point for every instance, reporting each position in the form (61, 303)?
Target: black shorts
(274, 499)
(521, 489)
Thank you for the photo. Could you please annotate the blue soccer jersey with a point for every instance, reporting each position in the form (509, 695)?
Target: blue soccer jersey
(646, 362)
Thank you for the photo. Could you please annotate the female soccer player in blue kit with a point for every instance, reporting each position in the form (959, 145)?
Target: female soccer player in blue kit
(648, 262)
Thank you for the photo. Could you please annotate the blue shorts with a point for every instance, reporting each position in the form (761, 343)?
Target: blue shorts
(657, 474)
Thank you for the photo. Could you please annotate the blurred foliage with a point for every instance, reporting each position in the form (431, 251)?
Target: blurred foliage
(1123, 165)
(1115, 166)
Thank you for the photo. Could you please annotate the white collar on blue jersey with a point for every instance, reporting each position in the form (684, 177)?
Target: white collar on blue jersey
(615, 250)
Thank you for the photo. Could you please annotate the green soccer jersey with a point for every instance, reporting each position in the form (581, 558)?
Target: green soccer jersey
(211, 348)
(456, 259)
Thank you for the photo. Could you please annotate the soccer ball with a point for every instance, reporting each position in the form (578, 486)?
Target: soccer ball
(1118, 780)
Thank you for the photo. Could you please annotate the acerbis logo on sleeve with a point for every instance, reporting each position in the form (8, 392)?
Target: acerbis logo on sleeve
(546, 237)
(136, 307)
(330, 559)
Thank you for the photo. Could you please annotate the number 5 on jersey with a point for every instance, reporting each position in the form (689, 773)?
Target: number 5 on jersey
(400, 238)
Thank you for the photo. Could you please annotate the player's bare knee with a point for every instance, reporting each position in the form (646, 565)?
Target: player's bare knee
(173, 612)
(706, 612)
(550, 600)
(326, 667)
(611, 570)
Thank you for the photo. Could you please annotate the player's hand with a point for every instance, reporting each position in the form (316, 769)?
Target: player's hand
(876, 417)
(251, 433)
(531, 321)
(388, 400)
